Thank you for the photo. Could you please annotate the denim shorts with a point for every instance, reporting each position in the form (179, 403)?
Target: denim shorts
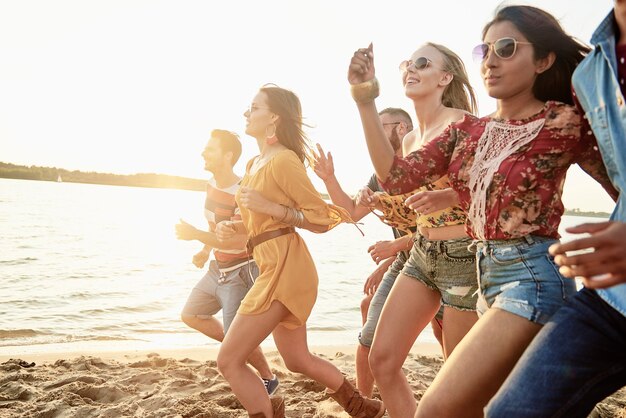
(520, 277)
(366, 336)
(447, 267)
(221, 290)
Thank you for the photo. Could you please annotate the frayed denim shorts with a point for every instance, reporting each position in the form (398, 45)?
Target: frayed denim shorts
(519, 276)
(446, 267)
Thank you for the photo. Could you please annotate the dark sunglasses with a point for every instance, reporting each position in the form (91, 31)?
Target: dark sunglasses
(418, 64)
(503, 48)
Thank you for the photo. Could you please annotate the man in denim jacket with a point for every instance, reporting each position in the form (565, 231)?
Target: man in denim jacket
(579, 357)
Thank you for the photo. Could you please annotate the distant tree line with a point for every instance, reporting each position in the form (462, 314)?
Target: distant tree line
(138, 180)
(163, 181)
(578, 212)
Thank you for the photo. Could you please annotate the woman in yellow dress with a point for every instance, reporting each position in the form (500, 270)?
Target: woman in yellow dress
(275, 196)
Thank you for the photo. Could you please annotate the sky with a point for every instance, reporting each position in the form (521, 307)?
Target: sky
(132, 86)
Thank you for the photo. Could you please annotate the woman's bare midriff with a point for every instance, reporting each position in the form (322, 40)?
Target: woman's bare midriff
(443, 232)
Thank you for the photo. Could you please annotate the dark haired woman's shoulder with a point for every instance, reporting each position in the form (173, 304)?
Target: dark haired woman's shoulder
(562, 116)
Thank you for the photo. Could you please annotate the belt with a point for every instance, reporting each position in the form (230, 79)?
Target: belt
(266, 236)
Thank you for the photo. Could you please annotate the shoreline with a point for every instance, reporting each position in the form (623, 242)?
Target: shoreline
(197, 353)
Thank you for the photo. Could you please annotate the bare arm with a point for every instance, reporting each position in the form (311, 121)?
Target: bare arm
(254, 201)
(188, 232)
(325, 170)
(385, 249)
(361, 70)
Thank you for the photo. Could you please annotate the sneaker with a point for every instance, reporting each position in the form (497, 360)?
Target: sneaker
(271, 384)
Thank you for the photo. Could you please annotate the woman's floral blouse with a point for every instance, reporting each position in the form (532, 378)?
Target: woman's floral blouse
(509, 174)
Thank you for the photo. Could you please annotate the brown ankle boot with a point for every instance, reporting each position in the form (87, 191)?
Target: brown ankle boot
(278, 407)
(356, 404)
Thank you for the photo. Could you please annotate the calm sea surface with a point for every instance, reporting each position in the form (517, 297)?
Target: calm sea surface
(98, 267)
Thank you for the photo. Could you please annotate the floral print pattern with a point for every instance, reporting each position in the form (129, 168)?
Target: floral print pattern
(524, 195)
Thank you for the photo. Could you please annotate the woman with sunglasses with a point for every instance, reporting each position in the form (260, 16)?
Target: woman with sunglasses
(275, 196)
(439, 269)
(508, 169)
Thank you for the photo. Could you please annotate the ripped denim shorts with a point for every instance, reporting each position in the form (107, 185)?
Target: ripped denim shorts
(446, 267)
(520, 277)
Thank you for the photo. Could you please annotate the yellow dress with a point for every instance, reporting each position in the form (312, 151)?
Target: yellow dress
(287, 271)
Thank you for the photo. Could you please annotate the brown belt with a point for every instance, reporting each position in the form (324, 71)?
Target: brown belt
(266, 236)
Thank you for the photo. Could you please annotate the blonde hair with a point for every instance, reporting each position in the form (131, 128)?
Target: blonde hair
(459, 94)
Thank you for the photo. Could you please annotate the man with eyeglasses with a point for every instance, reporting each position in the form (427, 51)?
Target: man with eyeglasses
(232, 272)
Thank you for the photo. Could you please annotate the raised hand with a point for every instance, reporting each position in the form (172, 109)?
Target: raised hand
(361, 67)
(323, 165)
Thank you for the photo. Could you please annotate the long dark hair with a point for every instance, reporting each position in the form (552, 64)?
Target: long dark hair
(289, 130)
(546, 35)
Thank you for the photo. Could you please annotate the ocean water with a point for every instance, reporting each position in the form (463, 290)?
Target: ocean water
(98, 267)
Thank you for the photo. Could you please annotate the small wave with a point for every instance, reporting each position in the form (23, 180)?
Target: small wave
(322, 328)
(18, 261)
(148, 307)
(156, 331)
(105, 338)
(20, 333)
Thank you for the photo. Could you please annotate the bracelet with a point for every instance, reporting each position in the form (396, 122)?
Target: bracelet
(293, 217)
(365, 92)
(285, 215)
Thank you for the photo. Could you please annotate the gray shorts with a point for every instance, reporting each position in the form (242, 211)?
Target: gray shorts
(217, 290)
(447, 267)
(366, 336)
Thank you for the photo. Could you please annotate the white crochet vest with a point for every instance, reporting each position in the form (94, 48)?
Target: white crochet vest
(497, 143)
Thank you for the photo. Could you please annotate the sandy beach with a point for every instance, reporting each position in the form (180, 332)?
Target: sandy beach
(182, 383)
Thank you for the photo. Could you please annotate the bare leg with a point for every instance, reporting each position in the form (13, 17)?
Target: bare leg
(212, 328)
(259, 362)
(364, 376)
(245, 334)
(478, 366)
(456, 324)
(409, 308)
(293, 347)
(365, 307)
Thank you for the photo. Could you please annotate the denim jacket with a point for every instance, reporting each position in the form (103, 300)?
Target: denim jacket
(598, 90)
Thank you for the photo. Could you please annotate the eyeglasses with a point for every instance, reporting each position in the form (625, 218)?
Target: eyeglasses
(392, 123)
(503, 48)
(419, 64)
(254, 107)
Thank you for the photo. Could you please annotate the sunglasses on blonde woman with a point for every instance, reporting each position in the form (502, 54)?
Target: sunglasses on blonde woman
(503, 48)
(419, 64)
